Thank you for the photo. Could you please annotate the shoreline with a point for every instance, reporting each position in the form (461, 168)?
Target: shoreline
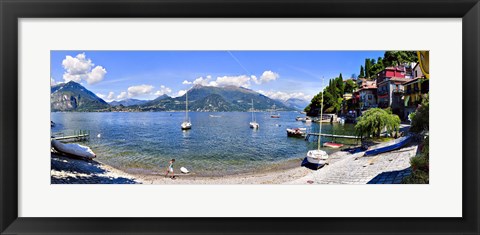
(343, 168)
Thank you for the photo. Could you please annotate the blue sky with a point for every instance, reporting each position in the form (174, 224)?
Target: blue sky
(116, 75)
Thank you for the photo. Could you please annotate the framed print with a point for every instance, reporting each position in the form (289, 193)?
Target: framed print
(239, 117)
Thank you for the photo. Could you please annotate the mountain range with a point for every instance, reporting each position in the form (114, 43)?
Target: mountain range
(72, 96)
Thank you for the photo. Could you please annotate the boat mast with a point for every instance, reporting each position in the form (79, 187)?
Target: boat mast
(320, 123)
(252, 111)
(186, 107)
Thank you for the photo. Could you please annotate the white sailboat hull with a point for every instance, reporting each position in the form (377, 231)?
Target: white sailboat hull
(317, 157)
(254, 125)
(186, 125)
(75, 150)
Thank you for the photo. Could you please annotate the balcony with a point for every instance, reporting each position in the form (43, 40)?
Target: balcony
(398, 91)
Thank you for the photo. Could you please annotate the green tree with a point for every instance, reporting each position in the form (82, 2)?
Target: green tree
(362, 72)
(394, 58)
(374, 120)
(368, 67)
(350, 86)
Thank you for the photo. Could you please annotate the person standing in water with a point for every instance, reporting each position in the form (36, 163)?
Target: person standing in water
(170, 169)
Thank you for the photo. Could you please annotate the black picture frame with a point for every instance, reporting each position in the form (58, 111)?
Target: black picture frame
(11, 11)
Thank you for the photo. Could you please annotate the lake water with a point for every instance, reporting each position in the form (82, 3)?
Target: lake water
(224, 144)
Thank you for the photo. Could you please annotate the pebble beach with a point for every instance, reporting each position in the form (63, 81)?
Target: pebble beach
(342, 168)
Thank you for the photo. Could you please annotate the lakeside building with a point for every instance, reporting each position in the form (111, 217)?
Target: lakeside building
(390, 88)
(367, 94)
(414, 90)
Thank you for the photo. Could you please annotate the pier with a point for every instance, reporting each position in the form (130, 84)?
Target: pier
(81, 135)
(309, 135)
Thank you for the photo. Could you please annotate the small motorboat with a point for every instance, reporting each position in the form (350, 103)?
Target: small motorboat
(215, 116)
(296, 132)
(74, 150)
(299, 118)
(333, 145)
(390, 146)
(307, 120)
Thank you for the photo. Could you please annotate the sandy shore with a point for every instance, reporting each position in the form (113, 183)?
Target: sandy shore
(343, 168)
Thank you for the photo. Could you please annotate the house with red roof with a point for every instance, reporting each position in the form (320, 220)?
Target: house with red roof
(390, 88)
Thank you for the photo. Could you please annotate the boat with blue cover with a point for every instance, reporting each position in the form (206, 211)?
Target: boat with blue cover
(390, 146)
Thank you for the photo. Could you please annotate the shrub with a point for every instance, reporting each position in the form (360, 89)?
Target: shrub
(417, 177)
(420, 120)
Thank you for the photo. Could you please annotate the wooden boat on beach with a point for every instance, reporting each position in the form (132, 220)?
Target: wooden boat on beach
(390, 146)
(74, 150)
(333, 145)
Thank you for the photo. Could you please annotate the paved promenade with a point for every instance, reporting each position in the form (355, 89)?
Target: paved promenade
(387, 168)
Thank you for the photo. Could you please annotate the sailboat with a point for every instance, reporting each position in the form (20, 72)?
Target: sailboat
(274, 115)
(186, 124)
(318, 157)
(253, 123)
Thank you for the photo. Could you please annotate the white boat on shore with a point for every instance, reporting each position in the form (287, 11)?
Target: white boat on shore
(318, 157)
(75, 150)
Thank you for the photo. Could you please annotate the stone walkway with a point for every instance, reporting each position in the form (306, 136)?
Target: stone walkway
(387, 168)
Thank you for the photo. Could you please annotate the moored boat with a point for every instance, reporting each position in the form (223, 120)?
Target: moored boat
(254, 124)
(299, 118)
(296, 132)
(307, 120)
(274, 115)
(186, 124)
(74, 150)
(390, 146)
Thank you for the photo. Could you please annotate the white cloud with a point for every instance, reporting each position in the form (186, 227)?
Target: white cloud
(96, 75)
(110, 97)
(52, 82)
(181, 92)
(163, 90)
(79, 68)
(102, 96)
(122, 95)
(242, 80)
(280, 95)
(139, 90)
(267, 76)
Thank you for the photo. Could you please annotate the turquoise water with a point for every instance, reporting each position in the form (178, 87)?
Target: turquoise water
(224, 144)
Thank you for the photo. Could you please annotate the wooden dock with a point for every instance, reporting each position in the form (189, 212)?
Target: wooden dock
(309, 135)
(77, 136)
